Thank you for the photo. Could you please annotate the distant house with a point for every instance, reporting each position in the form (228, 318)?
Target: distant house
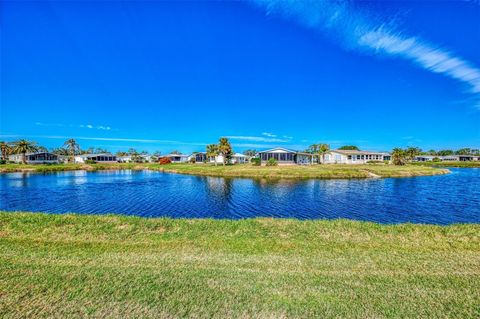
(447, 158)
(37, 158)
(124, 159)
(99, 158)
(177, 158)
(239, 158)
(285, 156)
(353, 157)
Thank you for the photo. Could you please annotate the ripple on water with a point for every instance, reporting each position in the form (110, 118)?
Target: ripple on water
(440, 199)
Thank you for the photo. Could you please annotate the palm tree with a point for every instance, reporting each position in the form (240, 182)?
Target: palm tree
(411, 152)
(212, 151)
(5, 150)
(322, 149)
(225, 149)
(23, 147)
(72, 146)
(398, 156)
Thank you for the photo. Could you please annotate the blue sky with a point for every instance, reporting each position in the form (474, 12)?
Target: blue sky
(178, 75)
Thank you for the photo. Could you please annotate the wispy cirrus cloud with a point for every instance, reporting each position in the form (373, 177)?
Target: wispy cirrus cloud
(269, 134)
(360, 30)
(88, 126)
(259, 139)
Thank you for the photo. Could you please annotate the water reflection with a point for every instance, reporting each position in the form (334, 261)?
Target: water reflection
(440, 199)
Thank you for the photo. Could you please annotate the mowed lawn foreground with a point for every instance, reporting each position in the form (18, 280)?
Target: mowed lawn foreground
(129, 267)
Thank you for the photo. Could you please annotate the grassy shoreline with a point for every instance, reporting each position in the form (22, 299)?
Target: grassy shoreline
(471, 164)
(119, 266)
(330, 171)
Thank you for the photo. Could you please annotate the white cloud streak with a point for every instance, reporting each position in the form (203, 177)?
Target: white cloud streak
(89, 126)
(269, 134)
(258, 139)
(360, 30)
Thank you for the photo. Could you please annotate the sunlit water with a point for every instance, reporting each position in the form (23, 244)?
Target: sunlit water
(445, 199)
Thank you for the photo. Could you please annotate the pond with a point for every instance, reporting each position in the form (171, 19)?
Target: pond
(444, 199)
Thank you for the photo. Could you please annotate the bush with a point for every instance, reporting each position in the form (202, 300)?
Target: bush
(256, 161)
(90, 162)
(436, 159)
(272, 162)
(165, 160)
(375, 162)
(193, 160)
(3, 161)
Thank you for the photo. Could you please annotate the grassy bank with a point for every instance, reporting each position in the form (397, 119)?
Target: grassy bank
(247, 170)
(127, 267)
(304, 171)
(471, 164)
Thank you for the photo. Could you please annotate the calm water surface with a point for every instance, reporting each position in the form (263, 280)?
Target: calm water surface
(453, 198)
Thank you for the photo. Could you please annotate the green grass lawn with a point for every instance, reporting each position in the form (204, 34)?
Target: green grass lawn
(471, 164)
(304, 171)
(127, 267)
(247, 170)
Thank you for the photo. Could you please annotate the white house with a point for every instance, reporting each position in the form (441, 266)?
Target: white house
(239, 158)
(353, 157)
(124, 159)
(98, 158)
(177, 158)
(36, 158)
(285, 156)
(447, 158)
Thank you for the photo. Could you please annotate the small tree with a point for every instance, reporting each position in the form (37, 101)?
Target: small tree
(398, 156)
(250, 153)
(5, 149)
(411, 152)
(72, 148)
(23, 147)
(349, 148)
(271, 162)
(225, 149)
(212, 151)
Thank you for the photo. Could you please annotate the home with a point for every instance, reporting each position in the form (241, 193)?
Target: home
(353, 157)
(177, 158)
(285, 156)
(426, 158)
(36, 158)
(124, 159)
(98, 158)
(239, 158)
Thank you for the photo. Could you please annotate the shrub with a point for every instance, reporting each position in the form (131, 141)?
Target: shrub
(90, 162)
(436, 159)
(193, 160)
(272, 162)
(256, 161)
(165, 160)
(375, 162)
(3, 161)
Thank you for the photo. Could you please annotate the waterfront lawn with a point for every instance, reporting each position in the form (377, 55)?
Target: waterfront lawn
(466, 164)
(128, 267)
(248, 170)
(303, 171)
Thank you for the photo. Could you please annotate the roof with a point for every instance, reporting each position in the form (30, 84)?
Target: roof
(278, 149)
(36, 153)
(92, 155)
(355, 152)
(239, 155)
(175, 155)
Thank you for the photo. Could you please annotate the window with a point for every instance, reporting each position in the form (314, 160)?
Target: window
(349, 157)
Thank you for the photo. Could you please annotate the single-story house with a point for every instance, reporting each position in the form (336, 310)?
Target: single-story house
(99, 158)
(447, 158)
(177, 158)
(239, 158)
(124, 159)
(284, 156)
(425, 158)
(353, 157)
(36, 158)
